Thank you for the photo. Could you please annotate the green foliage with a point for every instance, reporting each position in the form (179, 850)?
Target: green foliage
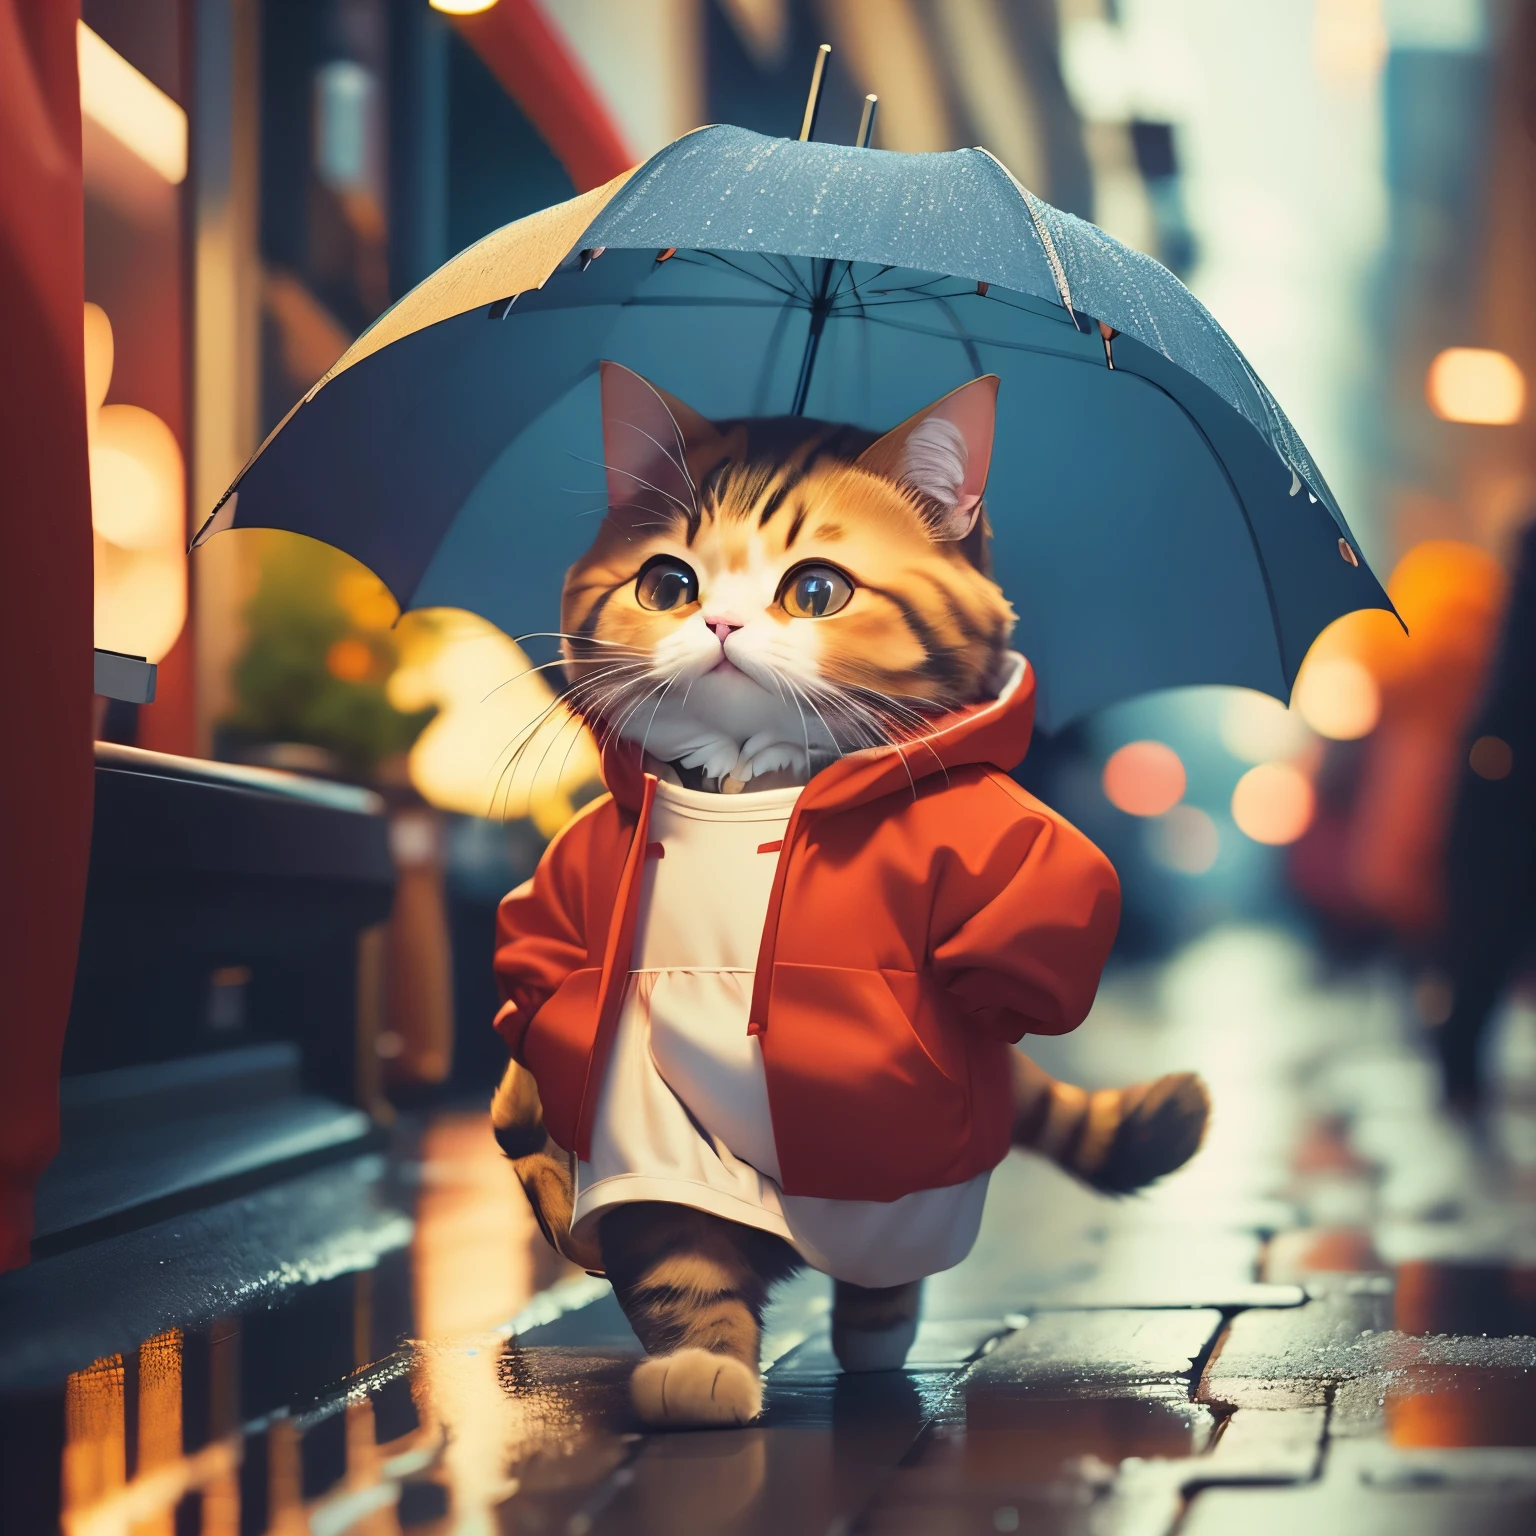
(286, 684)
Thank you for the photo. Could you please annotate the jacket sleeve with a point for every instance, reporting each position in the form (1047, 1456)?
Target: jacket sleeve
(541, 929)
(1022, 927)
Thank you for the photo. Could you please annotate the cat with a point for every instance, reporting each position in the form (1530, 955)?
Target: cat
(725, 1066)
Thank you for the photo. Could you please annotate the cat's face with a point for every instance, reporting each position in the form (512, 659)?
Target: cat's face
(766, 594)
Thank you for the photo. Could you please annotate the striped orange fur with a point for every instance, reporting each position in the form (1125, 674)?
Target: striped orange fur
(1117, 1140)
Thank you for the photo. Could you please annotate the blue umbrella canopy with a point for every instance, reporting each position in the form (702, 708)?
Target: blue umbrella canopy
(1157, 520)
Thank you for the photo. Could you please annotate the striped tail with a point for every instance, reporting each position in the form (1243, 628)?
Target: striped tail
(545, 1172)
(1117, 1140)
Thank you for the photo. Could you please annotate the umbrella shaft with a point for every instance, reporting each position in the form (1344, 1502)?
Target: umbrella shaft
(820, 308)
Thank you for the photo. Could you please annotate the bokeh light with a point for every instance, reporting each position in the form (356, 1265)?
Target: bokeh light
(1184, 839)
(1273, 803)
(1491, 757)
(1256, 728)
(138, 511)
(1477, 385)
(1144, 778)
(499, 745)
(1339, 698)
(136, 479)
(141, 599)
(462, 7)
(365, 600)
(350, 659)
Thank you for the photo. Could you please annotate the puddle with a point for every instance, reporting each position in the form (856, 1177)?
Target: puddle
(1011, 1440)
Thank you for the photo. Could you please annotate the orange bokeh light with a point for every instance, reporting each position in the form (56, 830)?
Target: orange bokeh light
(1339, 698)
(1144, 778)
(1450, 595)
(1477, 385)
(350, 660)
(1273, 803)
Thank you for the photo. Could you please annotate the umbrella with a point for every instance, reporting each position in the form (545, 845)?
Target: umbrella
(1157, 520)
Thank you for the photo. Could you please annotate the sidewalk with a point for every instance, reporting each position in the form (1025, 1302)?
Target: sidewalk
(1323, 1324)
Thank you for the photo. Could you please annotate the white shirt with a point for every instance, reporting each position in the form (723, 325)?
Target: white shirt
(683, 1114)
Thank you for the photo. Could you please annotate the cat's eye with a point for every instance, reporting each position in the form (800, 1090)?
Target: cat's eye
(665, 582)
(814, 591)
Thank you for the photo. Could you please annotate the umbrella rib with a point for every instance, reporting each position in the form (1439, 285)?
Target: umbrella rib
(962, 335)
(1052, 255)
(791, 276)
(755, 277)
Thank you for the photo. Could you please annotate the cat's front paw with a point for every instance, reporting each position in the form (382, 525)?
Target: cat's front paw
(762, 755)
(715, 757)
(695, 1389)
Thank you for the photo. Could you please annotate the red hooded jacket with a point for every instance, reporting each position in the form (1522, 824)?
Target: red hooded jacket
(925, 913)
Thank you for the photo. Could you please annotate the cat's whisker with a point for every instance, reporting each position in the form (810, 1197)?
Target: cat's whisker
(527, 733)
(618, 726)
(915, 738)
(600, 688)
(629, 474)
(560, 634)
(644, 740)
(516, 677)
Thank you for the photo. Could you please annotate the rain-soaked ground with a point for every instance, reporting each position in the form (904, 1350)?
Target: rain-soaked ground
(1323, 1325)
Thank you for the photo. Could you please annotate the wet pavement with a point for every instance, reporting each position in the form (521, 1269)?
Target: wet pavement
(1326, 1322)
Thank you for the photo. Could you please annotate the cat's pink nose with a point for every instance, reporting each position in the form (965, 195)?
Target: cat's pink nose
(722, 629)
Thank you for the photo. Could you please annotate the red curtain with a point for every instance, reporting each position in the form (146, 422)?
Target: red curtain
(46, 614)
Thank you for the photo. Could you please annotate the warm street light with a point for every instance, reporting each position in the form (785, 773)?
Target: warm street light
(1476, 384)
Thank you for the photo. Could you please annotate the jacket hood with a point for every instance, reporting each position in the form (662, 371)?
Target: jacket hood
(995, 732)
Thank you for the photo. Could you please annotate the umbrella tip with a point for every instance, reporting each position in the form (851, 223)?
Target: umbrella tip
(813, 100)
(867, 122)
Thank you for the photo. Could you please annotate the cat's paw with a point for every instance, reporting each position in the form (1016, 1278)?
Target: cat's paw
(716, 757)
(695, 1389)
(761, 755)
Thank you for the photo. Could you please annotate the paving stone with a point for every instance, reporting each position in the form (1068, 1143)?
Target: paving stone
(1391, 1467)
(1256, 1445)
(1360, 1512)
(1116, 1296)
(1272, 1359)
(819, 1456)
(1424, 1404)
(532, 1431)
(940, 1346)
(1040, 1513)
(1051, 1459)
(1097, 1353)
(1264, 1445)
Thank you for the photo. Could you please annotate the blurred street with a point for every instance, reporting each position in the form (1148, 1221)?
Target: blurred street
(1326, 1320)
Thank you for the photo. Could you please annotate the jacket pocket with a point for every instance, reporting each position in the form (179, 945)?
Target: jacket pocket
(558, 1046)
(864, 1107)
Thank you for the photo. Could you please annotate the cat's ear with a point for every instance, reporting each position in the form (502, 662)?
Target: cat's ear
(648, 436)
(943, 453)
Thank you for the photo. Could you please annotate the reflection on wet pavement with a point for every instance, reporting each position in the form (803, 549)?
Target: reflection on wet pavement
(1327, 1319)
